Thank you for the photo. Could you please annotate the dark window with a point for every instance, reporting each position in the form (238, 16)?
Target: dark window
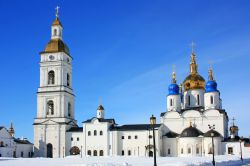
(1, 144)
(230, 150)
(95, 152)
(181, 150)
(189, 100)
(55, 32)
(69, 109)
(129, 152)
(150, 136)
(197, 150)
(101, 153)
(50, 107)
(211, 100)
(168, 151)
(101, 133)
(95, 132)
(21, 154)
(189, 150)
(77, 139)
(136, 136)
(89, 133)
(198, 99)
(51, 77)
(122, 152)
(89, 152)
(129, 137)
(68, 79)
(72, 139)
(122, 137)
(171, 102)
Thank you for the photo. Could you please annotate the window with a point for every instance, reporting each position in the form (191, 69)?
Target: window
(89, 133)
(230, 150)
(89, 152)
(136, 136)
(77, 139)
(129, 152)
(168, 151)
(129, 137)
(68, 79)
(181, 150)
(55, 32)
(95, 132)
(122, 152)
(21, 154)
(171, 102)
(1, 144)
(150, 136)
(51, 77)
(197, 150)
(188, 100)
(72, 139)
(101, 153)
(101, 133)
(198, 99)
(211, 99)
(50, 107)
(189, 150)
(95, 152)
(69, 109)
(122, 137)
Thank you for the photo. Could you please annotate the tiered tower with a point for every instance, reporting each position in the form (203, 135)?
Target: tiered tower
(55, 97)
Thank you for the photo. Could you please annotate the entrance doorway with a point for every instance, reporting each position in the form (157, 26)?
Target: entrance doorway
(49, 150)
(150, 154)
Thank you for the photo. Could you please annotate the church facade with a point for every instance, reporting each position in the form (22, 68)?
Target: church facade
(193, 116)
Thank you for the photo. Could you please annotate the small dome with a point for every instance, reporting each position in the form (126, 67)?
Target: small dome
(208, 133)
(191, 132)
(173, 89)
(211, 86)
(194, 81)
(56, 45)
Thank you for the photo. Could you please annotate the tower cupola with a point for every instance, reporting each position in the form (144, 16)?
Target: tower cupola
(173, 88)
(100, 112)
(11, 130)
(211, 85)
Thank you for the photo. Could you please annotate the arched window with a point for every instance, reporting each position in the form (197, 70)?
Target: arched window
(129, 152)
(68, 79)
(198, 99)
(95, 132)
(181, 150)
(101, 153)
(122, 152)
(69, 109)
(211, 99)
(168, 151)
(95, 152)
(171, 102)
(55, 32)
(101, 133)
(189, 100)
(50, 105)
(189, 150)
(74, 150)
(89, 133)
(197, 150)
(89, 152)
(51, 77)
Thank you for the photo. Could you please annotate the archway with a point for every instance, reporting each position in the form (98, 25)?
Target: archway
(150, 154)
(74, 150)
(49, 150)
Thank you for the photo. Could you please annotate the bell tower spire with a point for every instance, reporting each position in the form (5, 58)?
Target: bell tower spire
(193, 65)
(56, 29)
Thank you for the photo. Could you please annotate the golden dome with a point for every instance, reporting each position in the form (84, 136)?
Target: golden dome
(194, 80)
(56, 45)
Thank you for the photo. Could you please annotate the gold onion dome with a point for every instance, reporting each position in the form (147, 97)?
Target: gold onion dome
(56, 45)
(194, 80)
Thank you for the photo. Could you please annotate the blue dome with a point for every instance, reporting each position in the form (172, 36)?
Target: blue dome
(211, 86)
(173, 89)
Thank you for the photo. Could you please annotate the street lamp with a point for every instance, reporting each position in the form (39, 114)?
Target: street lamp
(212, 135)
(153, 122)
(241, 149)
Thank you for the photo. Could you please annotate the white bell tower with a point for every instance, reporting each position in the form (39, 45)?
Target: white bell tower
(55, 97)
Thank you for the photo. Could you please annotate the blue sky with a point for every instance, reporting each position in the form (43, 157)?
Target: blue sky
(123, 53)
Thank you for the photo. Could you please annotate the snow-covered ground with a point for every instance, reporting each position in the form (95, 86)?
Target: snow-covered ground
(124, 161)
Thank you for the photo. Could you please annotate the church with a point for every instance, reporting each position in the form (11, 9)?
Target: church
(194, 115)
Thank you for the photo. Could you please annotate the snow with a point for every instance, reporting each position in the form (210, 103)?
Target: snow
(228, 160)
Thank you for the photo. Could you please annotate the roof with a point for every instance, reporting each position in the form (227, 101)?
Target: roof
(57, 22)
(208, 133)
(22, 141)
(191, 132)
(100, 120)
(171, 134)
(1, 127)
(56, 45)
(75, 129)
(100, 107)
(135, 127)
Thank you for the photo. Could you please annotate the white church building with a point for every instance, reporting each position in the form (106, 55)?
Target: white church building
(194, 113)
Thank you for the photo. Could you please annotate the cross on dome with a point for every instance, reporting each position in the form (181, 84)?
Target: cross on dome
(57, 11)
(192, 46)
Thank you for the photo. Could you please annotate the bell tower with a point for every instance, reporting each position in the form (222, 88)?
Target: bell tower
(55, 96)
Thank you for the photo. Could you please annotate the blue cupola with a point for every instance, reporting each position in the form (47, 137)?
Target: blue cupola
(211, 85)
(173, 88)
